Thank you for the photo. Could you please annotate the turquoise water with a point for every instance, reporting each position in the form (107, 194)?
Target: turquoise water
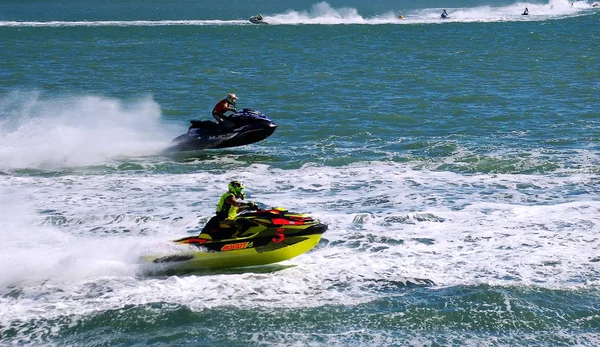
(455, 162)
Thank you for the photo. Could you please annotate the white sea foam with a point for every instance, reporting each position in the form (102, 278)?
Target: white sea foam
(72, 243)
(41, 132)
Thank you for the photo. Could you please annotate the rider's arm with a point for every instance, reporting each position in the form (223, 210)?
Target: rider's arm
(240, 204)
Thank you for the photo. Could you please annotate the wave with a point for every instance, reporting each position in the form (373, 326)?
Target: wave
(323, 14)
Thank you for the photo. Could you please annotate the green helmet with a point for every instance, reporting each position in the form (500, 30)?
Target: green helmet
(237, 188)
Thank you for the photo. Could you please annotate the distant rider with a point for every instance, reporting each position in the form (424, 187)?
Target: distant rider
(227, 104)
(259, 17)
(444, 14)
(526, 12)
(224, 224)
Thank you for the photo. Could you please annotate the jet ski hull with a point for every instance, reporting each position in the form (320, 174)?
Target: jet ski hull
(246, 255)
(194, 141)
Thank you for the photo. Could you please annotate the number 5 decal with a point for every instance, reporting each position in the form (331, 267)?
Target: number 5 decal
(279, 235)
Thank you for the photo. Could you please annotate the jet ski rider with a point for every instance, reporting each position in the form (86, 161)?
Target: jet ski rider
(225, 223)
(227, 104)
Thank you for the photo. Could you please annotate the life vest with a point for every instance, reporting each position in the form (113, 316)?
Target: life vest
(221, 107)
(224, 209)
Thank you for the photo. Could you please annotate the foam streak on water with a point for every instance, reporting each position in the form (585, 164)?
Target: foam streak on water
(82, 235)
(324, 14)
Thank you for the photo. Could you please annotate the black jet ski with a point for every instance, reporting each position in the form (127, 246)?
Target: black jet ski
(239, 129)
(264, 237)
(257, 20)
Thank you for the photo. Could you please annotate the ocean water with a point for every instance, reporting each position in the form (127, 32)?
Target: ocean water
(456, 163)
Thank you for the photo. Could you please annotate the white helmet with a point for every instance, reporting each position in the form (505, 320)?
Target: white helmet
(231, 98)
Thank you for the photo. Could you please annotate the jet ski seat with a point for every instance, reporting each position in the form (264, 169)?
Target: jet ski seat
(201, 124)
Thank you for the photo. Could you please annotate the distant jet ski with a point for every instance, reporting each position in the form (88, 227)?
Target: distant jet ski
(239, 129)
(258, 19)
